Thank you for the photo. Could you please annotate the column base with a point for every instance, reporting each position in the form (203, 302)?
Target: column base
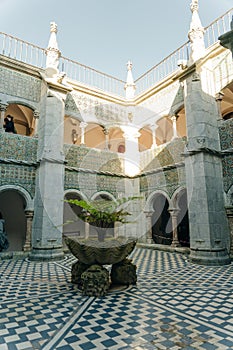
(46, 254)
(175, 244)
(213, 257)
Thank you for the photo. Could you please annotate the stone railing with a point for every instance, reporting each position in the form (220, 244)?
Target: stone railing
(82, 158)
(170, 64)
(18, 148)
(31, 54)
(163, 156)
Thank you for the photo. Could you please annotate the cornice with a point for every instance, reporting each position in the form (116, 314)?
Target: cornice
(20, 66)
(95, 92)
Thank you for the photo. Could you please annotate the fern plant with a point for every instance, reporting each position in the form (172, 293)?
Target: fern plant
(102, 213)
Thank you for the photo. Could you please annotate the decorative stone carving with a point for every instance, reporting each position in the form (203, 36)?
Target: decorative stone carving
(94, 252)
(52, 52)
(196, 34)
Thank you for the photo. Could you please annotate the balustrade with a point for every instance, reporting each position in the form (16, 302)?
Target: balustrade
(31, 54)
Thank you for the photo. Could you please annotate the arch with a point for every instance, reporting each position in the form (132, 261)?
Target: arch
(180, 202)
(23, 103)
(164, 131)
(161, 220)
(149, 203)
(78, 192)
(103, 194)
(181, 122)
(28, 199)
(175, 196)
(23, 117)
(145, 140)
(72, 225)
(116, 139)
(226, 101)
(72, 131)
(15, 205)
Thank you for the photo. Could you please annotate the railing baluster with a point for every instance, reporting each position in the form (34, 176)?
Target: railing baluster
(19, 49)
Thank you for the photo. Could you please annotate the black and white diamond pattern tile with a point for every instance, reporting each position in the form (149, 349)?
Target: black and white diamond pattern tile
(175, 305)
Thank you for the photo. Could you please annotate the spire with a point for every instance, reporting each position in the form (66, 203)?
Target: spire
(52, 52)
(196, 34)
(130, 86)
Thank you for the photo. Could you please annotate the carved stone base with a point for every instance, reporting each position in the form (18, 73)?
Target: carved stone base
(41, 254)
(124, 273)
(76, 272)
(213, 257)
(95, 281)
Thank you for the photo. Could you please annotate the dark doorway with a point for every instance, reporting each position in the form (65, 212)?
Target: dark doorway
(12, 207)
(183, 220)
(161, 221)
(72, 225)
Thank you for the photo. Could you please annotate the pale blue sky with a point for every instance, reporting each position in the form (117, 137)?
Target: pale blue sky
(105, 34)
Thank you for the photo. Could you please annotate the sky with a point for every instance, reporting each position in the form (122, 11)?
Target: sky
(106, 34)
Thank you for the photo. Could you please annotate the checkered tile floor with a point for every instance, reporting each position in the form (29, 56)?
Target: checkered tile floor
(175, 305)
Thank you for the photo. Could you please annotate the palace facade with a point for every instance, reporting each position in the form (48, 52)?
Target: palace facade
(165, 137)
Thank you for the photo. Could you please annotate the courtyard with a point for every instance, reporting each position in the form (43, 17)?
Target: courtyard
(174, 305)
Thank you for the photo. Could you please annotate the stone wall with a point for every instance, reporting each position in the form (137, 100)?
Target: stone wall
(18, 161)
(226, 140)
(20, 85)
(91, 171)
(166, 171)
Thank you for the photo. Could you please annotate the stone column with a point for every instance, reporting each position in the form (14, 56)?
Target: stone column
(131, 155)
(49, 197)
(218, 99)
(175, 240)
(153, 129)
(174, 126)
(82, 126)
(149, 238)
(209, 231)
(106, 133)
(29, 216)
(3, 107)
(36, 115)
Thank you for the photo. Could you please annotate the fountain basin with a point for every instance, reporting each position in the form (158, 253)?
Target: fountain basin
(111, 251)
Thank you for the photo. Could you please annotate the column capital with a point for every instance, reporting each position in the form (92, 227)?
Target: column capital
(173, 117)
(36, 114)
(83, 125)
(29, 213)
(148, 213)
(174, 211)
(3, 106)
(105, 130)
(153, 127)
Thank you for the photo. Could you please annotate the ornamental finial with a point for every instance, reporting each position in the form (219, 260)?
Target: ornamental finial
(52, 52)
(196, 34)
(194, 5)
(130, 85)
